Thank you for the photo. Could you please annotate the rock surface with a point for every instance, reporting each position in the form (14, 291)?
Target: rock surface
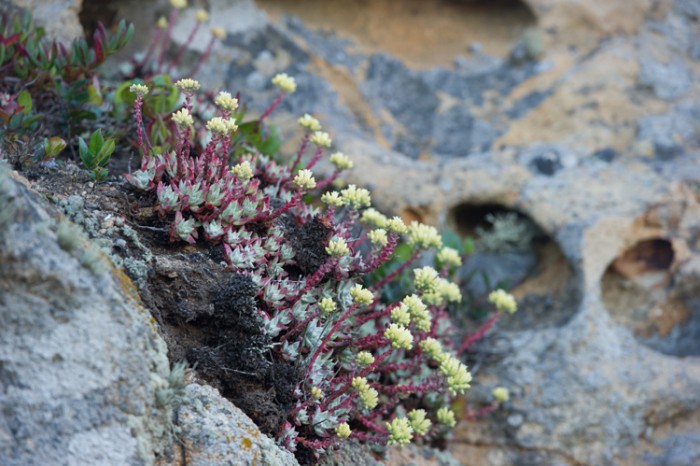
(58, 18)
(214, 431)
(80, 363)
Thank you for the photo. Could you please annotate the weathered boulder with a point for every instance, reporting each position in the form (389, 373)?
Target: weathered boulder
(80, 362)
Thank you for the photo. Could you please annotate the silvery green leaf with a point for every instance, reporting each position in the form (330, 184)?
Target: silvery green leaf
(290, 352)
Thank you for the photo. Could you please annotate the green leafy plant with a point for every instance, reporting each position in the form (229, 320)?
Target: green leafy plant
(47, 87)
(96, 154)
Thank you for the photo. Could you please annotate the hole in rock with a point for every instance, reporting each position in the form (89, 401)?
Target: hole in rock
(421, 34)
(94, 11)
(411, 214)
(512, 252)
(643, 291)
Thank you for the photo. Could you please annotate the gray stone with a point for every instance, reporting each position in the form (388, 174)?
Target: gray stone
(58, 18)
(690, 8)
(326, 44)
(213, 431)
(668, 133)
(679, 451)
(669, 81)
(390, 84)
(79, 361)
(458, 133)
(527, 103)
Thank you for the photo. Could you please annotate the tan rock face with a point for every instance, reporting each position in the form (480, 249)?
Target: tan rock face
(421, 34)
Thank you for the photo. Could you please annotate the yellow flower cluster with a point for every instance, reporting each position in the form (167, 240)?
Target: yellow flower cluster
(400, 315)
(226, 102)
(449, 257)
(399, 337)
(222, 127)
(361, 296)
(162, 22)
(218, 32)
(443, 290)
(321, 139)
(356, 197)
(179, 4)
(188, 85)
(423, 236)
(242, 171)
(396, 225)
(368, 395)
(373, 217)
(309, 123)
(400, 431)
(418, 311)
(305, 179)
(500, 394)
(364, 358)
(419, 421)
(139, 89)
(285, 83)
(503, 301)
(332, 198)
(458, 377)
(378, 237)
(446, 416)
(316, 393)
(425, 279)
(341, 161)
(342, 430)
(327, 306)
(432, 348)
(201, 16)
(337, 248)
(183, 119)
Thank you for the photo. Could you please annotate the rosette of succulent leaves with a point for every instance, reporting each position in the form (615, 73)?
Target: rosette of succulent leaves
(379, 372)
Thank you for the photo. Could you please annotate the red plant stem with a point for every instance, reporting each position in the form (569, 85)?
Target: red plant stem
(204, 56)
(369, 438)
(183, 47)
(300, 152)
(384, 256)
(397, 272)
(471, 415)
(151, 48)
(272, 107)
(166, 37)
(321, 185)
(328, 336)
(370, 425)
(375, 315)
(314, 160)
(401, 366)
(318, 444)
(297, 328)
(139, 124)
(476, 336)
